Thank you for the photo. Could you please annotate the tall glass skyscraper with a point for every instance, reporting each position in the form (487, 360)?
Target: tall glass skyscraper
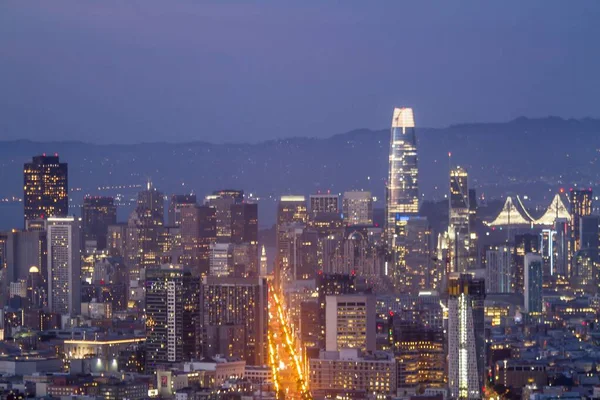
(402, 193)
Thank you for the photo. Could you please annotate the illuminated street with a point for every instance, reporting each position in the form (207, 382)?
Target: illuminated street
(288, 376)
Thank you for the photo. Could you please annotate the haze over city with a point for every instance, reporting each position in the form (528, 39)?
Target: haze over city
(246, 71)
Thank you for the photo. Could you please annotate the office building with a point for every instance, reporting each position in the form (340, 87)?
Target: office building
(417, 268)
(97, 214)
(420, 353)
(244, 223)
(498, 260)
(198, 232)
(222, 201)
(402, 196)
(581, 206)
(524, 243)
(324, 204)
(348, 372)
(532, 290)
(466, 337)
(562, 247)
(64, 266)
(357, 208)
(291, 215)
(116, 240)
(221, 259)
(350, 322)
(236, 301)
(172, 316)
(331, 285)
(178, 200)
(459, 223)
(46, 189)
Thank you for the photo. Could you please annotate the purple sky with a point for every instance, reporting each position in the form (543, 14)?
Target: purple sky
(111, 71)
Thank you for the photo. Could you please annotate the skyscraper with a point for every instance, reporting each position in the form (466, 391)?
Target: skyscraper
(459, 224)
(64, 266)
(198, 232)
(236, 301)
(222, 201)
(97, 214)
(350, 322)
(402, 196)
(291, 210)
(357, 208)
(498, 270)
(46, 188)
(533, 283)
(177, 200)
(244, 223)
(581, 206)
(172, 315)
(466, 336)
(323, 204)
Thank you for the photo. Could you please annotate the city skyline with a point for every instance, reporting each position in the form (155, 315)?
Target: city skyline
(210, 262)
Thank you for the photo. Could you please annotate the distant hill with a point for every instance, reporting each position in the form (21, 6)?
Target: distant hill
(530, 156)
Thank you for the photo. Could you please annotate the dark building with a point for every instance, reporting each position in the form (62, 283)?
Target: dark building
(222, 201)
(309, 323)
(46, 189)
(420, 353)
(198, 232)
(178, 200)
(244, 223)
(97, 214)
(525, 243)
(172, 316)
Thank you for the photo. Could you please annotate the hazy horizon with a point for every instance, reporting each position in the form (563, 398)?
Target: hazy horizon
(114, 72)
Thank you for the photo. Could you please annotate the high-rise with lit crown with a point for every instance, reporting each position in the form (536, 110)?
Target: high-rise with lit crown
(45, 187)
(402, 193)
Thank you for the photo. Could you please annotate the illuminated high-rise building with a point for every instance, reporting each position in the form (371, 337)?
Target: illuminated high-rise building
(291, 210)
(402, 196)
(198, 232)
(581, 206)
(357, 208)
(46, 188)
(222, 201)
(466, 336)
(97, 214)
(64, 266)
(350, 322)
(175, 204)
(459, 223)
(498, 262)
(524, 243)
(172, 316)
(239, 302)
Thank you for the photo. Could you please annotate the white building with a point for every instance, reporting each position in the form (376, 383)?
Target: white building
(350, 322)
(221, 259)
(357, 208)
(64, 266)
(349, 370)
(498, 271)
(466, 336)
